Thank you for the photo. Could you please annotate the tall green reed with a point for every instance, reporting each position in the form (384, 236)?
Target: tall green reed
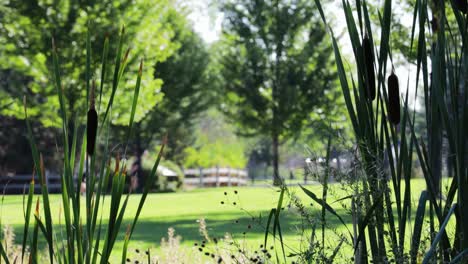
(86, 238)
(382, 228)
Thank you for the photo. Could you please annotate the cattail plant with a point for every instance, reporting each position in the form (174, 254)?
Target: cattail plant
(393, 99)
(369, 67)
(382, 227)
(375, 222)
(84, 237)
(461, 5)
(92, 124)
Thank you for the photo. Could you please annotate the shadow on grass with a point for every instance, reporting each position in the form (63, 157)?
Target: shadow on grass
(240, 225)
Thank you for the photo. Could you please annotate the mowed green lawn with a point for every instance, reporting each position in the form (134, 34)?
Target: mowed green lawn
(182, 210)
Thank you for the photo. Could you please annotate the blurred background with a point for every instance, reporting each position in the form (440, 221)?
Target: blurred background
(246, 91)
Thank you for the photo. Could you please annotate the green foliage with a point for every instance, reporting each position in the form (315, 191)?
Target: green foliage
(386, 150)
(276, 65)
(276, 58)
(25, 33)
(78, 240)
(216, 145)
(186, 90)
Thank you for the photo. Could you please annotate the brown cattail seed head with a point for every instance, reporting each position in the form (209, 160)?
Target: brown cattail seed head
(434, 24)
(461, 5)
(369, 68)
(91, 125)
(393, 99)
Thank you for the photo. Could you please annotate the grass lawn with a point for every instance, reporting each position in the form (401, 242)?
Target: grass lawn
(182, 210)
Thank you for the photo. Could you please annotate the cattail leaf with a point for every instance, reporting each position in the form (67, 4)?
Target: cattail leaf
(320, 9)
(344, 84)
(115, 80)
(418, 224)
(463, 256)
(149, 181)
(278, 227)
(3, 254)
(33, 246)
(369, 68)
(105, 54)
(27, 217)
(439, 236)
(58, 85)
(125, 246)
(88, 61)
(134, 103)
(327, 206)
(335, 251)
(267, 228)
(325, 189)
(41, 226)
(365, 222)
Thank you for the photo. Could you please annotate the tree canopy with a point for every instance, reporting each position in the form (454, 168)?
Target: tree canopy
(26, 31)
(277, 66)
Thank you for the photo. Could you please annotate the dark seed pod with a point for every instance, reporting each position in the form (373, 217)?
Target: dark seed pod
(393, 99)
(369, 68)
(461, 5)
(434, 24)
(91, 125)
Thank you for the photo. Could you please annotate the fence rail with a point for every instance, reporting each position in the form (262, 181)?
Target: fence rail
(18, 184)
(215, 177)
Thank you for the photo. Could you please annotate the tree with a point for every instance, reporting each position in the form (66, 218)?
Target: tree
(277, 67)
(186, 93)
(186, 89)
(25, 35)
(216, 143)
(26, 31)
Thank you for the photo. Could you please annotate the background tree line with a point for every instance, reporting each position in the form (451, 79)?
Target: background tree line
(270, 75)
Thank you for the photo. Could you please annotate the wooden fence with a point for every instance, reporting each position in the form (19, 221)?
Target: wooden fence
(18, 184)
(215, 177)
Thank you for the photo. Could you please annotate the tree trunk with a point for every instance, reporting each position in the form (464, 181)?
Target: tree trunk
(277, 106)
(276, 176)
